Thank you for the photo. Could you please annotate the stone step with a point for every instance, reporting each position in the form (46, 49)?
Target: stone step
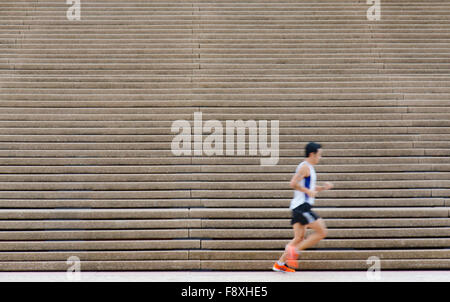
(220, 33)
(255, 16)
(323, 72)
(216, 110)
(108, 255)
(216, 244)
(340, 180)
(95, 235)
(67, 31)
(335, 79)
(216, 234)
(173, 223)
(246, 91)
(203, 26)
(207, 33)
(245, 86)
(219, 255)
(169, 138)
(94, 214)
(119, 185)
(365, 212)
(235, 41)
(159, 265)
(272, 62)
(208, 9)
(323, 202)
(169, 100)
(228, 97)
(285, 117)
(227, 47)
(318, 49)
(146, 169)
(101, 245)
(229, 168)
(220, 203)
(278, 234)
(303, 257)
(306, 265)
(326, 21)
(394, 243)
(245, 193)
(356, 156)
(253, 52)
(255, 265)
(182, 224)
(287, 14)
(214, 213)
(62, 131)
(167, 123)
(330, 222)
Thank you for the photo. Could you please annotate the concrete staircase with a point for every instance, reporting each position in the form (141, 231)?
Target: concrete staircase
(86, 109)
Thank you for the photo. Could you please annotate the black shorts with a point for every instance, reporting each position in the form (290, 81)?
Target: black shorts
(303, 214)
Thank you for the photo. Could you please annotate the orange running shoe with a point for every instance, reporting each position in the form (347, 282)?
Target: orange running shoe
(292, 256)
(282, 268)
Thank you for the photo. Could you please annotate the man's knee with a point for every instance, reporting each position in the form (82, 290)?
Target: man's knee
(320, 229)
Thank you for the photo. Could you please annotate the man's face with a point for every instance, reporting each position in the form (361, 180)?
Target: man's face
(316, 156)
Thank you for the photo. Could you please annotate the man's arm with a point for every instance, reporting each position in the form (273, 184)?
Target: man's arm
(327, 186)
(295, 181)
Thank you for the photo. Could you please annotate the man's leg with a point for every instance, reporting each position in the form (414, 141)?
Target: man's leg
(320, 232)
(299, 235)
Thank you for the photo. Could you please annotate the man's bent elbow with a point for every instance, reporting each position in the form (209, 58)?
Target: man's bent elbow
(323, 233)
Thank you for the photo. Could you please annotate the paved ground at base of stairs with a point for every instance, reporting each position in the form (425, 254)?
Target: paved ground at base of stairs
(269, 276)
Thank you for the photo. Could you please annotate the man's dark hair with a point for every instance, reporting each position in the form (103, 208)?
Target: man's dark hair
(312, 148)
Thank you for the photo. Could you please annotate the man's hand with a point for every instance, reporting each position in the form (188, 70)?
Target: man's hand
(328, 186)
(311, 193)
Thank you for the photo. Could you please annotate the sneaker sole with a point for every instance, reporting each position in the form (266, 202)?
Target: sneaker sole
(280, 270)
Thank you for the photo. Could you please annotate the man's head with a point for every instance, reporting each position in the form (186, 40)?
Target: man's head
(313, 151)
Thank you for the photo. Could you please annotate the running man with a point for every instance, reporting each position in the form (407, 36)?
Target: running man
(304, 184)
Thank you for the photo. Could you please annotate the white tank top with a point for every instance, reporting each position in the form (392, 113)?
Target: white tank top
(307, 182)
